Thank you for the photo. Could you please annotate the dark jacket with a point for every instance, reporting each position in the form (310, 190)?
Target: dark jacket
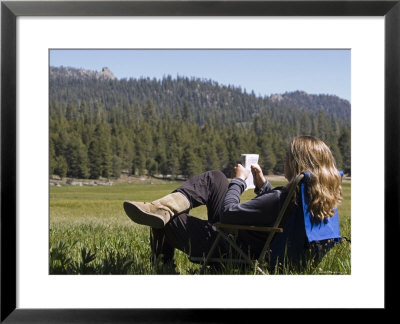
(261, 210)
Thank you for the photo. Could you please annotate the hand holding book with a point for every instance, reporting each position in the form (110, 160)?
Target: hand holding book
(258, 176)
(254, 176)
(241, 172)
(247, 160)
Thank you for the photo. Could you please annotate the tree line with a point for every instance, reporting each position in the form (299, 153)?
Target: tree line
(91, 140)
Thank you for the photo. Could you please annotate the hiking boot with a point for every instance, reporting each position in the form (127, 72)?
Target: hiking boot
(157, 213)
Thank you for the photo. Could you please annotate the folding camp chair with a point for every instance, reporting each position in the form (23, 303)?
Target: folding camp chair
(328, 229)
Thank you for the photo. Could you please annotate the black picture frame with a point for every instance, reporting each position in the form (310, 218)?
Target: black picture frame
(10, 10)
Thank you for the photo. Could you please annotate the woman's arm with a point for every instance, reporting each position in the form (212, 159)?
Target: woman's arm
(266, 187)
(261, 210)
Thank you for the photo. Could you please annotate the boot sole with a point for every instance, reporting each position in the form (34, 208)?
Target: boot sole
(142, 217)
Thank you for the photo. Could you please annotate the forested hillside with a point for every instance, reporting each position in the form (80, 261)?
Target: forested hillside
(101, 126)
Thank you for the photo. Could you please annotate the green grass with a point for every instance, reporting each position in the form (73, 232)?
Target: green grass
(90, 233)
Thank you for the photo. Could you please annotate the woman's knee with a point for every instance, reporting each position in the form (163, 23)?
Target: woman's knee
(218, 176)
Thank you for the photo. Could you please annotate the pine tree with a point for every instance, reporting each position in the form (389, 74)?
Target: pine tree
(72, 112)
(267, 156)
(323, 128)
(149, 112)
(173, 157)
(77, 158)
(345, 148)
(222, 152)
(210, 157)
(95, 158)
(151, 166)
(187, 115)
(52, 158)
(99, 113)
(84, 113)
(116, 166)
(61, 167)
(139, 159)
(191, 164)
(305, 124)
(337, 155)
(103, 136)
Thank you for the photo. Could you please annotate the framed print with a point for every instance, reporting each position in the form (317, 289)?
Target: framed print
(369, 29)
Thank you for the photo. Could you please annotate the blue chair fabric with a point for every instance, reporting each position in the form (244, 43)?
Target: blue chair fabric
(318, 230)
(302, 234)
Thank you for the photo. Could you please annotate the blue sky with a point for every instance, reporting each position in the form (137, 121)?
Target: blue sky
(265, 72)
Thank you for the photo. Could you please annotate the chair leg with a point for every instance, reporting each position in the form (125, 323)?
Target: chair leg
(234, 245)
(210, 253)
(242, 254)
(258, 268)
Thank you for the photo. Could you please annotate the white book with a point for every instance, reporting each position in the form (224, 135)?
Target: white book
(247, 160)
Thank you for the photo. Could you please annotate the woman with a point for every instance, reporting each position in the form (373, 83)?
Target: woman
(173, 227)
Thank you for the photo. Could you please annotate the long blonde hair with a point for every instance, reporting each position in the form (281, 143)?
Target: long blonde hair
(307, 153)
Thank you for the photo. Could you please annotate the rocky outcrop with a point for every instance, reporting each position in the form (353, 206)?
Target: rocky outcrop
(105, 74)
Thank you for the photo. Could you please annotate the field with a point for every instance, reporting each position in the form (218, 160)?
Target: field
(90, 233)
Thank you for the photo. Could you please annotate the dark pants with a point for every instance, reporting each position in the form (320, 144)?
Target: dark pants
(188, 233)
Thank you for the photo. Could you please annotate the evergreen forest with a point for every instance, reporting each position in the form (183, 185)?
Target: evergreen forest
(105, 127)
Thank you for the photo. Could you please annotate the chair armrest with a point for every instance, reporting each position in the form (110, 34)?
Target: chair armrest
(248, 227)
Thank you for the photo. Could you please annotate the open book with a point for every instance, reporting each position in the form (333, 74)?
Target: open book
(247, 160)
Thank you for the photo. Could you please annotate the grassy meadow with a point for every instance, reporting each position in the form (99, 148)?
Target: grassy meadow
(90, 233)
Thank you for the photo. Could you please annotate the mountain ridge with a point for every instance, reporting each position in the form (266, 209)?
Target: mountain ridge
(204, 96)
(106, 73)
